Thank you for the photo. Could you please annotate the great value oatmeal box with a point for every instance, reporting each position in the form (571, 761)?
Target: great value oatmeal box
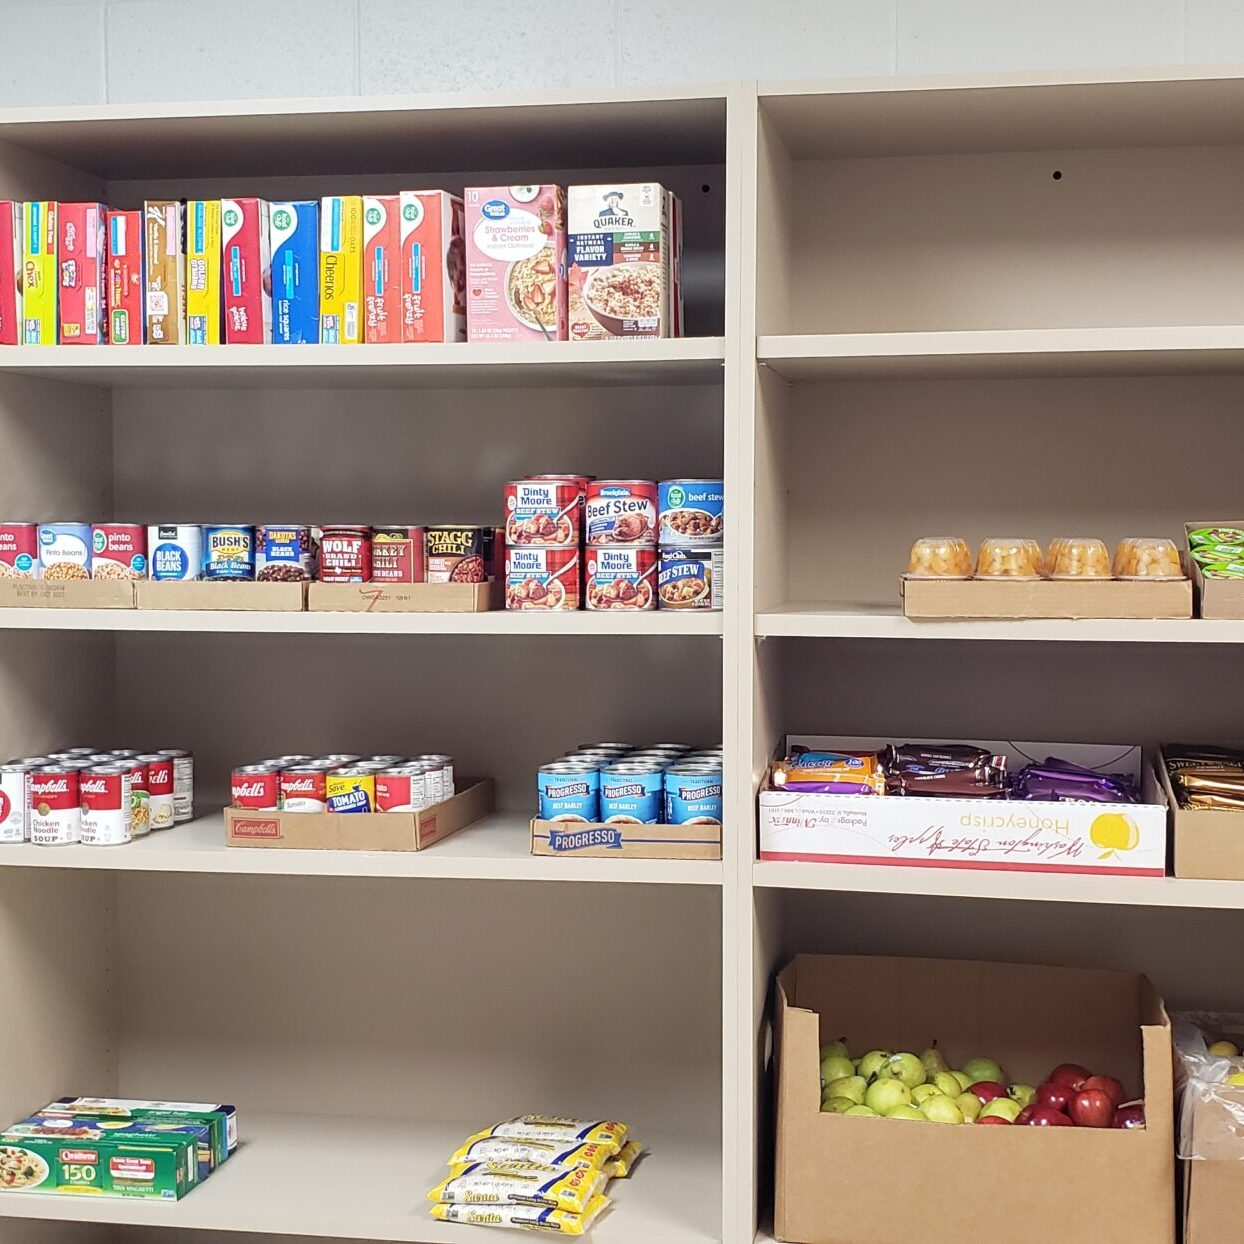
(433, 276)
(10, 272)
(81, 261)
(247, 263)
(164, 260)
(39, 274)
(203, 293)
(125, 278)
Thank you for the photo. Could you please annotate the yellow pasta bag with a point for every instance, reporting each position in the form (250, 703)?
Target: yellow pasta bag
(521, 1183)
(486, 1148)
(530, 1218)
(621, 1165)
(559, 1128)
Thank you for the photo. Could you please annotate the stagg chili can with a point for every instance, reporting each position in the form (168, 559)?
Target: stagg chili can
(621, 511)
(543, 512)
(443, 764)
(161, 790)
(619, 578)
(542, 578)
(304, 789)
(106, 806)
(15, 784)
(256, 787)
(228, 552)
(455, 554)
(140, 799)
(350, 790)
(397, 555)
(284, 553)
(403, 788)
(183, 783)
(345, 554)
(55, 807)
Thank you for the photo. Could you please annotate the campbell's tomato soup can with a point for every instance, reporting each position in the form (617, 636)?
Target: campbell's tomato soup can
(15, 784)
(345, 554)
(256, 787)
(621, 511)
(106, 806)
(183, 783)
(537, 578)
(19, 550)
(304, 789)
(619, 578)
(403, 788)
(456, 554)
(161, 798)
(397, 555)
(543, 512)
(55, 807)
(351, 790)
(118, 551)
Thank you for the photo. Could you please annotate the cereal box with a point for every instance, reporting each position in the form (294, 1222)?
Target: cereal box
(244, 225)
(125, 278)
(295, 235)
(433, 273)
(516, 263)
(677, 328)
(10, 272)
(164, 260)
(39, 276)
(203, 261)
(382, 295)
(619, 254)
(341, 269)
(82, 258)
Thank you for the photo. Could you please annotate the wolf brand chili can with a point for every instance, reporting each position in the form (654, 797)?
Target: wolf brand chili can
(229, 553)
(284, 553)
(690, 511)
(543, 512)
(175, 552)
(690, 578)
(542, 578)
(350, 790)
(256, 787)
(618, 578)
(445, 765)
(118, 551)
(161, 788)
(632, 794)
(19, 550)
(55, 807)
(621, 511)
(106, 808)
(183, 783)
(455, 554)
(693, 794)
(397, 555)
(345, 554)
(569, 792)
(403, 788)
(15, 782)
(304, 788)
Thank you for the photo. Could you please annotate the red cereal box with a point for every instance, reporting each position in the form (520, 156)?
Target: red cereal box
(83, 251)
(433, 275)
(247, 263)
(125, 278)
(382, 254)
(10, 272)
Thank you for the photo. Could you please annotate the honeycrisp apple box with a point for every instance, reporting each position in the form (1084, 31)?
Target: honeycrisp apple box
(1127, 840)
(843, 1180)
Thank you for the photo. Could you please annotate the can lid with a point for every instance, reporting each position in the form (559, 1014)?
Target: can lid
(18, 766)
(357, 771)
(302, 770)
(108, 770)
(175, 752)
(148, 757)
(256, 769)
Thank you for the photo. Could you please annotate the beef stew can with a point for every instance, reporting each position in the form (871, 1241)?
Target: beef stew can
(542, 579)
(345, 554)
(543, 513)
(690, 579)
(619, 578)
(397, 555)
(690, 512)
(457, 553)
(621, 511)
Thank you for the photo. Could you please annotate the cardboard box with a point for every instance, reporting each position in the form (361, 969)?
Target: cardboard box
(205, 594)
(1213, 1201)
(927, 600)
(846, 1180)
(404, 597)
(39, 275)
(204, 305)
(625, 841)
(247, 269)
(1215, 598)
(295, 234)
(10, 272)
(341, 269)
(148, 1168)
(433, 275)
(1208, 842)
(382, 265)
(1126, 840)
(66, 593)
(82, 262)
(126, 316)
(164, 261)
(374, 831)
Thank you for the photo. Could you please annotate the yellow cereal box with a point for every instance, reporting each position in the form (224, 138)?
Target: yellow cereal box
(341, 269)
(39, 275)
(203, 297)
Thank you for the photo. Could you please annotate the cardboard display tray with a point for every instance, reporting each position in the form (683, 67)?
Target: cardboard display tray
(1209, 842)
(377, 831)
(1215, 598)
(619, 840)
(205, 594)
(404, 597)
(67, 593)
(927, 600)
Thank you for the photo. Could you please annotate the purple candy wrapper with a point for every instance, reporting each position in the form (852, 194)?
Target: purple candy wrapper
(1058, 780)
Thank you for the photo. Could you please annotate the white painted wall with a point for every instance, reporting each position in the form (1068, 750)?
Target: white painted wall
(130, 50)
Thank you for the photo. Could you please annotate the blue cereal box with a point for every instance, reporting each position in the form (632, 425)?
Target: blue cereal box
(294, 230)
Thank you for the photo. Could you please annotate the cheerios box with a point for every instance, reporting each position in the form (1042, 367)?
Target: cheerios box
(1126, 840)
(247, 271)
(341, 269)
(10, 272)
(39, 275)
(82, 257)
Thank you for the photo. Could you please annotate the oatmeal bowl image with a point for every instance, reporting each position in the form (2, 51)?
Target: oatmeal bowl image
(624, 293)
(21, 1170)
(531, 289)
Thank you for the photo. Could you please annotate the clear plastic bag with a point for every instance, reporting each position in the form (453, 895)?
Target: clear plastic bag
(1210, 1112)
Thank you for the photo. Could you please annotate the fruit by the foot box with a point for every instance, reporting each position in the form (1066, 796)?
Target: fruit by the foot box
(857, 1180)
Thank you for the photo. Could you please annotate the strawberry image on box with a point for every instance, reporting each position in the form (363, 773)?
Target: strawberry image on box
(125, 278)
(82, 251)
(10, 272)
(247, 271)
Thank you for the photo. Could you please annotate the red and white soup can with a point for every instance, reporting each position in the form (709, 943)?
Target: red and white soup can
(403, 788)
(106, 812)
(55, 807)
(303, 789)
(15, 801)
(256, 788)
(619, 578)
(345, 554)
(161, 790)
(542, 578)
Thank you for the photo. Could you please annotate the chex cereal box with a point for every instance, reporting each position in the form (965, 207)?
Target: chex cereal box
(10, 272)
(244, 225)
(125, 278)
(294, 230)
(81, 261)
(341, 269)
(433, 276)
(164, 259)
(382, 295)
(39, 275)
(204, 305)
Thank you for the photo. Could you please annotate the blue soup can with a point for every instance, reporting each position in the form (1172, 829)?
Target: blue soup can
(632, 793)
(569, 792)
(693, 794)
(690, 512)
(228, 552)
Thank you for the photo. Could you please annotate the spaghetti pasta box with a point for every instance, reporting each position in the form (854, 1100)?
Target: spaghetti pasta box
(125, 278)
(164, 261)
(433, 275)
(382, 253)
(39, 276)
(81, 260)
(203, 295)
(99, 1127)
(341, 269)
(295, 238)
(222, 1119)
(157, 1169)
(244, 225)
(10, 272)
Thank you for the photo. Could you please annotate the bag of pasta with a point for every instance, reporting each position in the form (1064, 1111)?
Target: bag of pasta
(529, 1218)
(484, 1147)
(560, 1129)
(521, 1183)
(622, 1164)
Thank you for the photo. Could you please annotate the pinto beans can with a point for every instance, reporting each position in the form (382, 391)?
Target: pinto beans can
(304, 789)
(456, 554)
(345, 554)
(256, 787)
(620, 579)
(19, 550)
(118, 551)
(543, 512)
(55, 807)
(285, 553)
(621, 511)
(538, 578)
(397, 555)
(690, 578)
(105, 793)
(691, 511)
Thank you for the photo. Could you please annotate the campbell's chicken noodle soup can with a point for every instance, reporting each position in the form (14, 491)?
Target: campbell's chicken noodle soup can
(183, 783)
(106, 806)
(55, 807)
(304, 788)
(345, 554)
(456, 554)
(397, 555)
(351, 790)
(403, 788)
(442, 765)
(621, 511)
(544, 512)
(15, 782)
(542, 578)
(19, 550)
(256, 788)
(118, 551)
(620, 578)
(161, 787)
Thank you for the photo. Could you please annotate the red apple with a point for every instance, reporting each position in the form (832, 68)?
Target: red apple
(1056, 1096)
(1044, 1116)
(1130, 1114)
(1070, 1074)
(1091, 1108)
(993, 1118)
(1108, 1085)
(987, 1090)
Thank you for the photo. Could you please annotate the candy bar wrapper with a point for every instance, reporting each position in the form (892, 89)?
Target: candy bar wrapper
(1057, 780)
(521, 1183)
(864, 784)
(938, 756)
(842, 773)
(527, 1217)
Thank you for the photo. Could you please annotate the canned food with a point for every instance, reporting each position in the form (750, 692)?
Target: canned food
(691, 511)
(284, 553)
(118, 551)
(19, 550)
(690, 579)
(304, 789)
(542, 578)
(161, 788)
(345, 554)
(55, 807)
(620, 579)
(403, 788)
(621, 511)
(78, 764)
(294, 758)
(568, 792)
(494, 553)
(543, 512)
(631, 793)
(350, 790)
(106, 806)
(693, 794)
(127, 753)
(183, 783)
(15, 785)
(446, 765)
(140, 797)
(669, 747)
(175, 552)
(386, 761)
(342, 758)
(455, 554)
(64, 552)
(228, 553)
(80, 751)
(32, 762)
(397, 555)
(257, 787)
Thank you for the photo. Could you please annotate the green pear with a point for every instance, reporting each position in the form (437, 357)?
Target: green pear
(904, 1067)
(946, 1084)
(861, 1112)
(1002, 1108)
(965, 1080)
(907, 1112)
(921, 1091)
(853, 1087)
(835, 1067)
(838, 1048)
(940, 1109)
(983, 1069)
(970, 1104)
(837, 1105)
(884, 1095)
(933, 1061)
(1022, 1093)
(870, 1063)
